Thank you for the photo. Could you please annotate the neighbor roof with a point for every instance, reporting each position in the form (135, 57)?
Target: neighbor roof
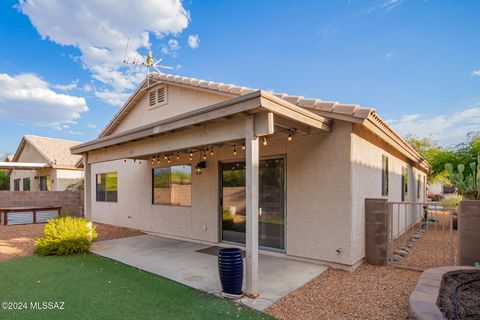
(55, 151)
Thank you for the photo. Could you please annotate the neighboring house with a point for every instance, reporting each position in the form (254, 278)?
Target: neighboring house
(223, 164)
(43, 164)
(440, 189)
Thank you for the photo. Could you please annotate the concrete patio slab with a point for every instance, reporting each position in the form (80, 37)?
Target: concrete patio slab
(178, 260)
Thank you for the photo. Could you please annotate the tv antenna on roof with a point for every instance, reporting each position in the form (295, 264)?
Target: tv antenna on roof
(148, 62)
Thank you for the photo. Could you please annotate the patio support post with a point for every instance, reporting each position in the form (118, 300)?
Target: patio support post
(87, 193)
(252, 161)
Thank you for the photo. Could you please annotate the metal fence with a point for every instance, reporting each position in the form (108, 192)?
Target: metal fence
(421, 235)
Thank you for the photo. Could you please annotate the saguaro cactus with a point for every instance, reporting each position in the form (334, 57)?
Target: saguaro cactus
(468, 186)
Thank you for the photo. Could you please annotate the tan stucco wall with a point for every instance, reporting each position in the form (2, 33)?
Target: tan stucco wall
(179, 100)
(64, 178)
(318, 201)
(60, 178)
(367, 183)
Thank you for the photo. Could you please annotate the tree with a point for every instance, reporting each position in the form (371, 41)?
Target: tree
(430, 151)
(437, 156)
(4, 179)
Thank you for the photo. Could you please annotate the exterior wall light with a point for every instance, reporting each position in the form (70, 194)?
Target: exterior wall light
(201, 165)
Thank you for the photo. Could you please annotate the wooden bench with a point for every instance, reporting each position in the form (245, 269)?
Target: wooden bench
(28, 215)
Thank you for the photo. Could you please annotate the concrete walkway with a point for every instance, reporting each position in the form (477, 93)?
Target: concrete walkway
(178, 260)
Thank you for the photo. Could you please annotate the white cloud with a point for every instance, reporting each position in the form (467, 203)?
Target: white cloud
(383, 5)
(388, 55)
(193, 41)
(476, 73)
(91, 126)
(87, 88)
(112, 97)
(75, 133)
(28, 98)
(101, 30)
(67, 87)
(447, 129)
(173, 44)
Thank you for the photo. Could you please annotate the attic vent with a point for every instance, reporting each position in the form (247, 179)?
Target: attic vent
(161, 95)
(151, 99)
(157, 97)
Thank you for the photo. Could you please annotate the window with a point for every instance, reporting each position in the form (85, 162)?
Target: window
(404, 184)
(26, 184)
(385, 176)
(157, 96)
(107, 187)
(16, 185)
(419, 186)
(45, 183)
(172, 185)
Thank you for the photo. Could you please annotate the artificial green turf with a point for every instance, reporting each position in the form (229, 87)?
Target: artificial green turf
(93, 287)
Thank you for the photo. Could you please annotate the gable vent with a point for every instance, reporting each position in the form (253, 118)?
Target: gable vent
(151, 98)
(161, 95)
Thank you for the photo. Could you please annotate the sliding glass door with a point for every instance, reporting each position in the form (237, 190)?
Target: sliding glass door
(271, 218)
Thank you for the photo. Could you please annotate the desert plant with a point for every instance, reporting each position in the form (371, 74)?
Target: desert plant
(468, 186)
(65, 236)
(77, 185)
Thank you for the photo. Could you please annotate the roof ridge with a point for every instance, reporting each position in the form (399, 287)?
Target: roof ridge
(50, 138)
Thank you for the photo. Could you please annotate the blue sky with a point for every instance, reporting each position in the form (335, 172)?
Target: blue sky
(417, 62)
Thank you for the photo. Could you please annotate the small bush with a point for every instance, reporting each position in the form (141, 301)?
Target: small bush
(453, 201)
(65, 236)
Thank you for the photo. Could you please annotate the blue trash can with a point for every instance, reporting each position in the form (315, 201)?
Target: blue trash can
(230, 269)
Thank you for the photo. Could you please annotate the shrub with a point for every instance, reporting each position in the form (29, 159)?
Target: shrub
(65, 236)
(453, 201)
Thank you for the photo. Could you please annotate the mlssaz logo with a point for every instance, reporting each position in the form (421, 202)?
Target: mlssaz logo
(47, 305)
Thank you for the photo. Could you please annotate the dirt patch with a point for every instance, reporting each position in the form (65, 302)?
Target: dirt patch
(109, 232)
(369, 292)
(460, 295)
(19, 240)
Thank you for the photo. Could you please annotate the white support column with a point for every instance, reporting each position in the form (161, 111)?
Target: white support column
(87, 187)
(252, 161)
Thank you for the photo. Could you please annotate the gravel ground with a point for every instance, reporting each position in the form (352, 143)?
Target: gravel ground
(433, 248)
(369, 292)
(18, 240)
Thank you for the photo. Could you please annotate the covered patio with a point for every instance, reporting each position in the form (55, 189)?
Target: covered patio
(195, 265)
(236, 123)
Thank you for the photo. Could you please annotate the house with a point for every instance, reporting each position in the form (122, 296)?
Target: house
(228, 165)
(43, 164)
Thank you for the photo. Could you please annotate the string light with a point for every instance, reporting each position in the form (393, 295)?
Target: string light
(165, 157)
(168, 159)
(211, 152)
(178, 157)
(158, 160)
(204, 155)
(234, 150)
(243, 145)
(290, 138)
(265, 141)
(191, 154)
